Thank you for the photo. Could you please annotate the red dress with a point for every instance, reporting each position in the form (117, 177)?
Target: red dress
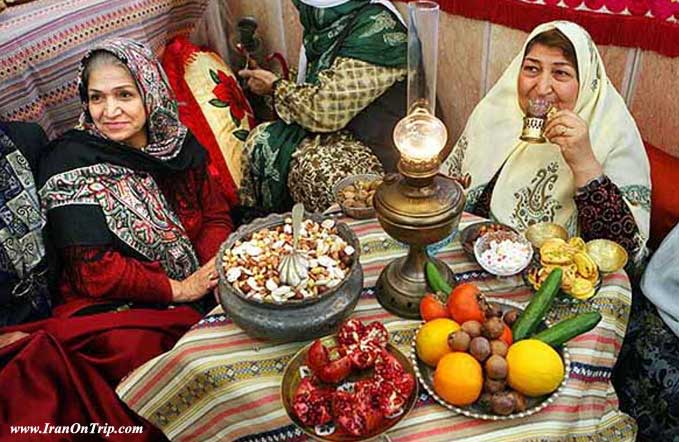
(66, 371)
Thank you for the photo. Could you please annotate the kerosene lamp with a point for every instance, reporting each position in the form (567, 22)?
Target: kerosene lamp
(417, 206)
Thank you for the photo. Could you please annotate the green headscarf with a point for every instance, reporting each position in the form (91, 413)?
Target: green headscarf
(355, 29)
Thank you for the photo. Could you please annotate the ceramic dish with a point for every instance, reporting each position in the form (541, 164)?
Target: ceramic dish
(355, 212)
(503, 252)
(538, 233)
(608, 255)
(469, 234)
(296, 370)
(293, 320)
(425, 374)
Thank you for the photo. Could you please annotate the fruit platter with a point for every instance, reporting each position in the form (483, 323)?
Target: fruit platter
(352, 386)
(492, 358)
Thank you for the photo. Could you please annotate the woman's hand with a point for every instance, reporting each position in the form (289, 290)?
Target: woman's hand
(260, 81)
(197, 285)
(571, 133)
(11, 337)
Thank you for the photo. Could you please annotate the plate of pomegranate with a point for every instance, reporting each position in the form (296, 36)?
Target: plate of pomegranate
(351, 386)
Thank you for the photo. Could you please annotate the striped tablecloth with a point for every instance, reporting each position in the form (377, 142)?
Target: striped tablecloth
(218, 384)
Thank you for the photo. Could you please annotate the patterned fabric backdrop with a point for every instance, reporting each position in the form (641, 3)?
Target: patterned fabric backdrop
(42, 42)
(648, 24)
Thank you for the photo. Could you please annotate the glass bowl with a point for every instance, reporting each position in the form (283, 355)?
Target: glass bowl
(503, 253)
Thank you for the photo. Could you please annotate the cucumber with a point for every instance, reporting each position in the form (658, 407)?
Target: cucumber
(538, 306)
(567, 329)
(435, 280)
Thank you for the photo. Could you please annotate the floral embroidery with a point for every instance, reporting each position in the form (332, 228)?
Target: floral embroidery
(381, 21)
(595, 83)
(473, 196)
(637, 195)
(534, 204)
(395, 38)
(135, 211)
(571, 225)
(229, 94)
(454, 160)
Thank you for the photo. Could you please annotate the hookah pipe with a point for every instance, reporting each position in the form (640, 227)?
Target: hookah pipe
(251, 63)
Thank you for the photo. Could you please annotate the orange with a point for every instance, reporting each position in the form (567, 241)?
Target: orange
(431, 341)
(458, 378)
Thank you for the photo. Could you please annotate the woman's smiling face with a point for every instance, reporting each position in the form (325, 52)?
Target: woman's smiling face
(116, 106)
(546, 73)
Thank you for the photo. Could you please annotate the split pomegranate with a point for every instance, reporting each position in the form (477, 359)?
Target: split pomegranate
(313, 404)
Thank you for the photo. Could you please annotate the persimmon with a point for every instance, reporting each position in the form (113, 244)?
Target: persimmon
(506, 336)
(431, 307)
(464, 303)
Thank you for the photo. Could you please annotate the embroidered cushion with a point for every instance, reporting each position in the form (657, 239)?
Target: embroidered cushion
(664, 197)
(212, 105)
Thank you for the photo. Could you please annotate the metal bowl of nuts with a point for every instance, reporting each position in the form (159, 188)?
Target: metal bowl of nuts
(354, 194)
(257, 297)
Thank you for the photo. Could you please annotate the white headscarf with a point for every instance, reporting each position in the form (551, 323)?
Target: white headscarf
(535, 183)
(321, 4)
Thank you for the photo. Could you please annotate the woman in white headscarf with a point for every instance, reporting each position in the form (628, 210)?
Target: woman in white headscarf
(592, 176)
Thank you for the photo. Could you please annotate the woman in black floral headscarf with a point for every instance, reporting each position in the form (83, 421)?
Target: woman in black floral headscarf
(136, 221)
(128, 198)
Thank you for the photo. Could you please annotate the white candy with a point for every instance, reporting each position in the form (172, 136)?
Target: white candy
(253, 284)
(326, 261)
(253, 250)
(505, 256)
(271, 285)
(233, 274)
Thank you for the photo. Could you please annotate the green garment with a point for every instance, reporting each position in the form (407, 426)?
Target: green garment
(356, 29)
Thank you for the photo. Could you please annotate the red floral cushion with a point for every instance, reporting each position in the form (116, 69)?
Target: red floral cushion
(213, 106)
(664, 197)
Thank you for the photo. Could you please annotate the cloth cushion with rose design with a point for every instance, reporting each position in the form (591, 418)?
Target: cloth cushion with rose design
(212, 105)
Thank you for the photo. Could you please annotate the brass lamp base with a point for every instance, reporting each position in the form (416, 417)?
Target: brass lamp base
(401, 285)
(417, 208)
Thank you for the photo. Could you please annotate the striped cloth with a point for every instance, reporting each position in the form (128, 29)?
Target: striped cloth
(219, 384)
(42, 42)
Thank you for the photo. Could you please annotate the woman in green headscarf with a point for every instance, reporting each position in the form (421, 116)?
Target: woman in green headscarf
(338, 118)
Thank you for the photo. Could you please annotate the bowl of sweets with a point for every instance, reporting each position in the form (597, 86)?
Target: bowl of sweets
(503, 252)
(354, 194)
(254, 293)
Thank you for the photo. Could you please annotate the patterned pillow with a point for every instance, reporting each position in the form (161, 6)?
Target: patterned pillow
(212, 105)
